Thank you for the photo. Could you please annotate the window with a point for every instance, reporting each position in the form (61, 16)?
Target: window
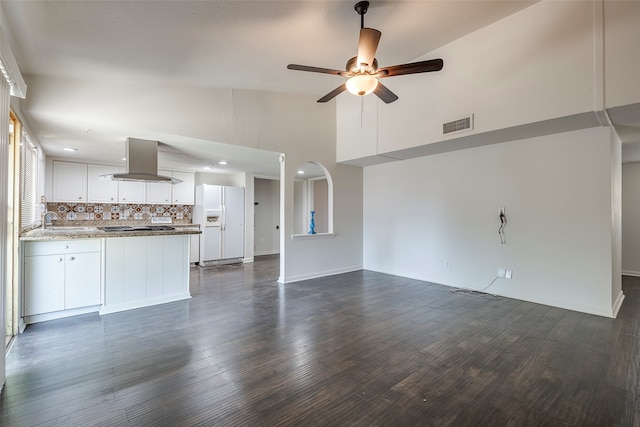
(30, 168)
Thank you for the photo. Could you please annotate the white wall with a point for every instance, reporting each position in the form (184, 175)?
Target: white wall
(267, 216)
(295, 125)
(435, 218)
(542, 63)
(320, 205)
(631, 219)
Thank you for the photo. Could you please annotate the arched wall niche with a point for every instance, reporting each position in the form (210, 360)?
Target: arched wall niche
(313, 192)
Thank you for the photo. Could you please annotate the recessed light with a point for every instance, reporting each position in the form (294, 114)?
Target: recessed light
(207, 168)
(222, 162)
(70, 149)
(300, 172)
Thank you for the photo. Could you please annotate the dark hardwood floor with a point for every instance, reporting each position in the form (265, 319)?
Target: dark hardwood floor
(361, 349)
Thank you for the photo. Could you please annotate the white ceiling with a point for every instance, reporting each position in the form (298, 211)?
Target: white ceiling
(207, 44)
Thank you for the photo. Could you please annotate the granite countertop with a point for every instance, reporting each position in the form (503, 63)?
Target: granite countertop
(71, 232)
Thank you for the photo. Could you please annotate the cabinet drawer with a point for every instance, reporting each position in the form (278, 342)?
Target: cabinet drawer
(61, 247)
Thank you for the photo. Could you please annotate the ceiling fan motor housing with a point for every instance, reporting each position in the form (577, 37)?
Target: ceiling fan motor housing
(354, 68)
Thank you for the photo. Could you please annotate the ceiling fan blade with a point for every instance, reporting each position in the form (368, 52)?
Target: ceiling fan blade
(337, 91)
(367, 46)
(412, 68)
(385, 94)
(315, 69)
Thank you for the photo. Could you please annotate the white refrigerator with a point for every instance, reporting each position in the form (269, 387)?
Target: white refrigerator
(220, 212)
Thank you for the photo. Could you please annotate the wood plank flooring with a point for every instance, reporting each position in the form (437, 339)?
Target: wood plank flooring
(360, 349)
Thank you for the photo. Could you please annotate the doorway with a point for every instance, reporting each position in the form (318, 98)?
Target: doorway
(266, 216)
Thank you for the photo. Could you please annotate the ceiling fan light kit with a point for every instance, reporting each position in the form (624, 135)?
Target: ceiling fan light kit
(363, 71)
(362, 84)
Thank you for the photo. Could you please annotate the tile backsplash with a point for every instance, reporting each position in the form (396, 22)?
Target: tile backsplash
(116, 214)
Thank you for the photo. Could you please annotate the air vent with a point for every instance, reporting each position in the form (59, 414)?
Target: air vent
(458, 125)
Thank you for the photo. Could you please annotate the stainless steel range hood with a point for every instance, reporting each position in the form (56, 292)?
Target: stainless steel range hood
(142, 163)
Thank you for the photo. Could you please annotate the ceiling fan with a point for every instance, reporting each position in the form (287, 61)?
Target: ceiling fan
(363, 71)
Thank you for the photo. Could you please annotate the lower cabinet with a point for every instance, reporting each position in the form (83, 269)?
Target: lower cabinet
(143, 271)
(61, 275)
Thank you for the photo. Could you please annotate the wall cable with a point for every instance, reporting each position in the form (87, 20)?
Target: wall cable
(476, 292)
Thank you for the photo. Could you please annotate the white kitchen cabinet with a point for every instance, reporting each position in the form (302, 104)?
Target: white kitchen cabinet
(145, 270)
(194, 252)
(43, 284)
(131, 192)
(183, 193)
(61, 275)
(159, 193)
(179, 194)
(82, 280)
(101, 190)
(69, 182)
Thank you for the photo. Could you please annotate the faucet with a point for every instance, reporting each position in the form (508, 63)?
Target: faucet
(52, 216)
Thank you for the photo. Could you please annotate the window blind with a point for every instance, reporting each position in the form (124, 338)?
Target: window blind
(29, 204)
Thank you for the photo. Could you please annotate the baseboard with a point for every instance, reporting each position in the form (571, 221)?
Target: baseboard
(617, 304)
(274, 252)
(315, 275)
(144, 303)
(35, 318)
(631, 273)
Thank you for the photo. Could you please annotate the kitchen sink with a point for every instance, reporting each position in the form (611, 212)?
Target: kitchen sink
(124, 228)
(65, 229)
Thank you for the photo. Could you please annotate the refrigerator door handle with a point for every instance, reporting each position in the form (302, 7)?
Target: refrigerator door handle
(223, 224)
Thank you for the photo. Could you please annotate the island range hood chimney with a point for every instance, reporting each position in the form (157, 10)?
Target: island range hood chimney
(142, 163)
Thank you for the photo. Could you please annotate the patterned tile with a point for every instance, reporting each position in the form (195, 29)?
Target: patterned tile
(95, 213)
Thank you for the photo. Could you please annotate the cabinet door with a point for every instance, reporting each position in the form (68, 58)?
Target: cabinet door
(159, 193)
(175, 264)
(69, 182)
(101, 190)
(43, 284)
(194, 251)
(131, 192)
(184, 193)
(82, 280)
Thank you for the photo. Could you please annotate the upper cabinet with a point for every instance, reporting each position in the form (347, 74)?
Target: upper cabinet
(69, 182)
(183, 193)
(102, 190)
(78, 182)
(159, 193)
(131, 192)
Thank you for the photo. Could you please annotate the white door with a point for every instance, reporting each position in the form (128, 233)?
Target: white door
(210, 244)
(233, 223)
(159, 193)
(212, 197)
(82, 280)
(100, 190)
(43, 284)
(69, 182)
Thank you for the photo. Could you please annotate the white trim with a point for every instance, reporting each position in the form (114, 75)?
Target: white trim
(272, 252)
(298, 278)
(144, 303)
(9, 67)
(312, 236)
(631, 273)
(617, 304)
(59, 314)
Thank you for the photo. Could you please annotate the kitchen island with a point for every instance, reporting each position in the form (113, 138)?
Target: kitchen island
(75, 270)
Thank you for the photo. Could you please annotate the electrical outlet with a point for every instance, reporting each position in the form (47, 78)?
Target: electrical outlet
(161, 220)
(508, 274)
(501, 272)
(447, 264)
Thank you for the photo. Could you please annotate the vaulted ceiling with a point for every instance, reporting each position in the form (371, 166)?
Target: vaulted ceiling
(210, 45)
